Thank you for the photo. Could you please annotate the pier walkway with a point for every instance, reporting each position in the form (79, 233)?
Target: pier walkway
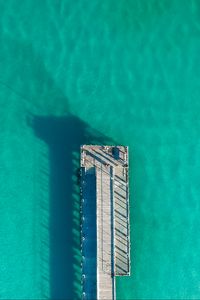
(104, 171)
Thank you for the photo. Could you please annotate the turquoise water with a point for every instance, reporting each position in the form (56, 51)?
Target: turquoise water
(84, 71)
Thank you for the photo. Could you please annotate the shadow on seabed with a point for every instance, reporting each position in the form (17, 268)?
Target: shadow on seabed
(64, 135)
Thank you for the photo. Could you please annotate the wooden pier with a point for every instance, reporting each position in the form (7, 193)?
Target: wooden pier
(105, 200)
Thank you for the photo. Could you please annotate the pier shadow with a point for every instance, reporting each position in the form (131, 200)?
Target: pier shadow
(64, 135)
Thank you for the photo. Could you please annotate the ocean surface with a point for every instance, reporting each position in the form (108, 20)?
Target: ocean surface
(89, 71)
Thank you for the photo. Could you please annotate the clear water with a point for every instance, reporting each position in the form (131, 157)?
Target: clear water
(73, 72)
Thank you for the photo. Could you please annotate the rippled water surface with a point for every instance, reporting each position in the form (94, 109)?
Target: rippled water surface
(74, 72)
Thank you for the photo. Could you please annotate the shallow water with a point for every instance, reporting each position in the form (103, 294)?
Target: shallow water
(99, 71)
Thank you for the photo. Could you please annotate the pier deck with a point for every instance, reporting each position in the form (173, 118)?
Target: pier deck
(109, 168)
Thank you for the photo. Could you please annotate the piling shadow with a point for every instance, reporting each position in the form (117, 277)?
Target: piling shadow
(64, 135)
